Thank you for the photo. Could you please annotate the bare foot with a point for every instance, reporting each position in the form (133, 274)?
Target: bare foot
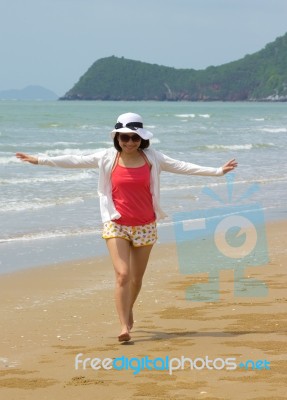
(124, 336)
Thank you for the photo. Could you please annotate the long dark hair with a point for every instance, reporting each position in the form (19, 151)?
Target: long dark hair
(144, 143)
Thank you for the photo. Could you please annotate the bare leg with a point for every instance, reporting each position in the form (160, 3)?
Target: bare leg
(138, 261)
(130, 265)
(120, 253)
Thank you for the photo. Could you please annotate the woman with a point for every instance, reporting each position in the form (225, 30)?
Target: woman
(129, 194)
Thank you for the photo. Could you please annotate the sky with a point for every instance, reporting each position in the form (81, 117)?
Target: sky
(52, 43)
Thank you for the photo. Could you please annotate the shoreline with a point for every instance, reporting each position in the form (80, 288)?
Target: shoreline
(50, 314)
(88, 244)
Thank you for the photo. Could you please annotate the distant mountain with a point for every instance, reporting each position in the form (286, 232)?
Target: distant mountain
(28, 93)
(261, 76)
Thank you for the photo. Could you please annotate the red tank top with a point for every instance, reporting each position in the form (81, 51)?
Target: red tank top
(131, 195)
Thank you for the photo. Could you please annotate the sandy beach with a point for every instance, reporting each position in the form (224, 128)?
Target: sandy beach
(49, 315)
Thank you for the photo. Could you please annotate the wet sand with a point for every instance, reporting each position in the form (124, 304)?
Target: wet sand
(51, 314)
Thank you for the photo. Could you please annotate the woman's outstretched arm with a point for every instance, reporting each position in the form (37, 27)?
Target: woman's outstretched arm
(66, 161)
(182, 167)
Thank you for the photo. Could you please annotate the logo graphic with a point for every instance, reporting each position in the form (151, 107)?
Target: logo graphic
(230, 237)
(146, 363)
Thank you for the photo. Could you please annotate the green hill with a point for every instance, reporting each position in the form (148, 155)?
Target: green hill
(261, 76)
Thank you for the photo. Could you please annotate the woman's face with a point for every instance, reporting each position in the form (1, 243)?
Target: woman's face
(129, 142)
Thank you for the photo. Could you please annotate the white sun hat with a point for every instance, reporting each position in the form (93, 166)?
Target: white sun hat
(131, 123)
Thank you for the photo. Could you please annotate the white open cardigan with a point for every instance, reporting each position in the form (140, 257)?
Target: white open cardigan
(104, 160)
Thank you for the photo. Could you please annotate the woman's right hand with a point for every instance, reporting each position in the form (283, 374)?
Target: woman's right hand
(27, 158)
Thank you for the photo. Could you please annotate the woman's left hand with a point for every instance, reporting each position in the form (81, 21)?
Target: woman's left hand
(229, 166)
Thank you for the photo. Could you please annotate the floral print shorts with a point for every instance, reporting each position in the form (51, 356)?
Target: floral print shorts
(140, 235)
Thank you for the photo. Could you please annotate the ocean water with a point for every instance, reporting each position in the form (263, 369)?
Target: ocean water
(50, 215)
